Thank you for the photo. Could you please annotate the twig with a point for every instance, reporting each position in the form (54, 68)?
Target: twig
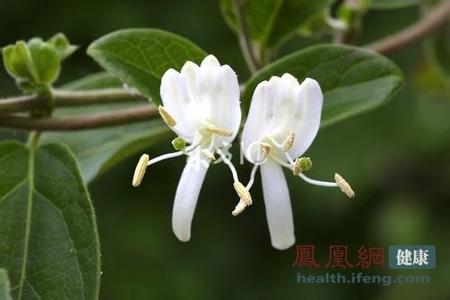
(72, 98)
(244, 37)
(433, 19)
(97, 120)
(63, 98)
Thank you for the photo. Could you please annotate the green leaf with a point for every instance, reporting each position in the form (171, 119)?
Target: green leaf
(139, 57)
(98, 150)
(392, 4)
(49, 240)
(5, 287)
(272, 21)
(353, 80)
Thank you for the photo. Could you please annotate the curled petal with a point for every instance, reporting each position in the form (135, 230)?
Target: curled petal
(259, 117)
(278, 205)
(186, 198)
(307, 114)
(176, 100)
(225, 107)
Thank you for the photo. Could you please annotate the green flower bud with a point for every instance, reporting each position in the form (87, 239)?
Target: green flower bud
(178, 144)
(36, 65)
(62, 46)
(17, 61)
(45, 60)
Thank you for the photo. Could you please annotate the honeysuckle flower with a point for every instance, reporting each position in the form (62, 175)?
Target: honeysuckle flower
(201, 105)
(283, 121)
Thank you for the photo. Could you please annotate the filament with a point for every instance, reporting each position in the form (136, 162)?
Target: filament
(164, 157)
(317, 182)
(252, 177)
(229, 164)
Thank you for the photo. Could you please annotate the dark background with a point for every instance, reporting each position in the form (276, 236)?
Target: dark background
(397, 159)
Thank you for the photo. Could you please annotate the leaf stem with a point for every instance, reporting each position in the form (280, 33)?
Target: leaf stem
(62, 98)
(432, 20)
(33, 139)
(96, 120)
(244, 37)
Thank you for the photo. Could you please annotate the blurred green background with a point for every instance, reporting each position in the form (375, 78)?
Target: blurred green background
(397, 159)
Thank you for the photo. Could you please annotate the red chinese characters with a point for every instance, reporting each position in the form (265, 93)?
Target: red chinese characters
(305, 257)
(338, 257)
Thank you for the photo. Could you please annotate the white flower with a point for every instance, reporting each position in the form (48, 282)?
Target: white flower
(283, 121)
(201, 105)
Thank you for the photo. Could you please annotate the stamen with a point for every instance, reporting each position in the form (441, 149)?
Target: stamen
(288, 142)
(252, 177)
(139, 172)
(265, 148)
(164, 157)
(239, 208)
(167, 118)
(218, 131)
(282, 162)
(344, 186)
(242, 193)
(317, 182)
(208, 154)
(241, 204)
(229, 164)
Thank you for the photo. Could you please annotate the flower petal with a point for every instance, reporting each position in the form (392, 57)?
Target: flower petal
(258, 119)
(278, 205)
(307, 114)
(225, 106)
(186, 198)
(210, 62)
(177, 102)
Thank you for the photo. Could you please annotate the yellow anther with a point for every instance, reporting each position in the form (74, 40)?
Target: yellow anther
(218, 131)
(239, 208)
(167, 118)
(296, 167)
(208, 154)
(265, 148)
(243, 193)
(139, 172)
(344, 186)
(288, 142)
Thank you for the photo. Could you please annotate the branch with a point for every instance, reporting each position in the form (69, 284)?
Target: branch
(63, 98)
(432, 20)
(244, 37)
(97, 120)
(73, 98)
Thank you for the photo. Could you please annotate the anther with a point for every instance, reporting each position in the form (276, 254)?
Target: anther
(288, 142)
(208, 154)
(242, 193)
(218, 131)
(139, 172)
(265, 148)
(344, 186)
(167, 118)
(239, 208)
